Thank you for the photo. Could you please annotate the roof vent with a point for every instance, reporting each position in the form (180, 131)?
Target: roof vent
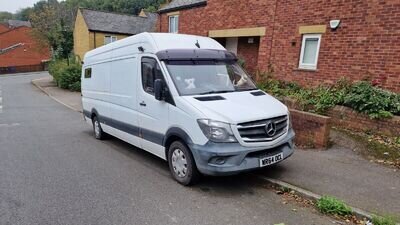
(210, 98)
(257, 93)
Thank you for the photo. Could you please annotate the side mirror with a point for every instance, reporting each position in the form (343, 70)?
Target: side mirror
(159, 89)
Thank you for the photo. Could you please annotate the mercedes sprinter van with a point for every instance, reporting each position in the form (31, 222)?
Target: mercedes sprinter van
(186, 100)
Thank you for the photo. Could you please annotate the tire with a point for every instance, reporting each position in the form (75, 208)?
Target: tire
(97, 130)
(181, 164)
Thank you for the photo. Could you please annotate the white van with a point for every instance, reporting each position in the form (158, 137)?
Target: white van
(186, 100)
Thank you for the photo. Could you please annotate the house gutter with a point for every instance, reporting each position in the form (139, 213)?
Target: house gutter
(198, 4)
(110, 32)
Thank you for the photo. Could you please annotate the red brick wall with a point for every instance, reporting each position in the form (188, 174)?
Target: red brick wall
(349, 119)
(31, 53)
(366, 45)
(222, 14)
(249, 53)
(228, 14)
(344, 117)
(312, 131)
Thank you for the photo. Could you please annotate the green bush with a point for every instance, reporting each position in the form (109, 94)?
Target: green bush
(334, 206)
(360, 96)
(70, 76)
(56, 67)
(75, 86)
(375, 102)
(66, 76)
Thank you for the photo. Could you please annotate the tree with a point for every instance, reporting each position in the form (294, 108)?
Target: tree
(5, 16)
(23, 14)
(53, 21)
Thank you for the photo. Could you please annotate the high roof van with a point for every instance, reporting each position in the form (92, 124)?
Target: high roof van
(186, 100)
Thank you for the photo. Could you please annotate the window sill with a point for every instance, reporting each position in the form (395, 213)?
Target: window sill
(305, 70)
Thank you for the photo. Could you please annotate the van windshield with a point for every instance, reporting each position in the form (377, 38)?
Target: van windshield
(208, 77)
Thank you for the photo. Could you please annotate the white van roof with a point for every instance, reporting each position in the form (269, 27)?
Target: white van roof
(156, 42)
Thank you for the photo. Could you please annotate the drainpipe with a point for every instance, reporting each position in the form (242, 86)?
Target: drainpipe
(94, 40)
(273, 32)
(160, 21)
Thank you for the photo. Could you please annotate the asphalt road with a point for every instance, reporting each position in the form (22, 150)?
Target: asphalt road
(52, 171)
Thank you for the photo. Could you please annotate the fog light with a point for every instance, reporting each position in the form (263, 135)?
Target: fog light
(218, 160)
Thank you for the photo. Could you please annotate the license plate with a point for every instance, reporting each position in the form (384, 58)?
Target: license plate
(271, 160)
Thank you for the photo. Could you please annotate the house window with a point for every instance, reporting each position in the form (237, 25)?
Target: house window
(109, 39)
(88, 73)
(309, 51)
(174, 24)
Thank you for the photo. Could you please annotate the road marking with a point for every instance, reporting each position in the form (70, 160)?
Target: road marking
(9, 125)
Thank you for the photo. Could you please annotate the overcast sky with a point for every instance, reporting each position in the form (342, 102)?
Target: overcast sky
(14, 5)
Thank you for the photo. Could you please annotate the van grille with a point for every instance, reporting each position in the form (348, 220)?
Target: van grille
(263, 130)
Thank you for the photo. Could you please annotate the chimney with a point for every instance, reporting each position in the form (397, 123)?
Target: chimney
(166, 2)
(143, 13)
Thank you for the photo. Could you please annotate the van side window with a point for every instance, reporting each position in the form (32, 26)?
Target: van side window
(88, 73)
(150, 72)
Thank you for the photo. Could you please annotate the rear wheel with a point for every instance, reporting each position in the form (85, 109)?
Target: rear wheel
(181, 164)
(98, 131)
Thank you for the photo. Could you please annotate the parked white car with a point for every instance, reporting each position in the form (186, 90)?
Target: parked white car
(186, 100)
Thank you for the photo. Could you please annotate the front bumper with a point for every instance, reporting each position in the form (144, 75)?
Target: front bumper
(237, 158)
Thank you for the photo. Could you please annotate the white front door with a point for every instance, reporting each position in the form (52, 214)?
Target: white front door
(153, 114)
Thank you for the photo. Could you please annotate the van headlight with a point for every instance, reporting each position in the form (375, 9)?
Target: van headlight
(216, 131)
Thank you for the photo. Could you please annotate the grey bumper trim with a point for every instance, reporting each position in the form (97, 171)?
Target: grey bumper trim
(238, 158)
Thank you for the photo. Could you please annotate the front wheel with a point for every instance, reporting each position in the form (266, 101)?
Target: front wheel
(181, 164)
(97, 130)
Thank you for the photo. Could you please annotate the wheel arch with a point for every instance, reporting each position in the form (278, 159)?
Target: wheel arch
(94, 113)
(175, 134)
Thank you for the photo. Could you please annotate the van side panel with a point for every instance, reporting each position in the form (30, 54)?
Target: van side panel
(95, 90)
(123, 99)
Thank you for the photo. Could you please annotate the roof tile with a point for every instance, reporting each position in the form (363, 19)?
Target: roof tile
(179, 4)
(118, 23)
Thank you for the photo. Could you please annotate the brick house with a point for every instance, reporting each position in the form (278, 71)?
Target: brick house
(295, 39)
(19, 52)
(3, 28)
(97, 28)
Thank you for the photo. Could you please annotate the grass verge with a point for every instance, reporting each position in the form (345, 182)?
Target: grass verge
(383, 220)
(334, 206)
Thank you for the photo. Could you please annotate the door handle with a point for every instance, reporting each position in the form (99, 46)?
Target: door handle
(142, 104)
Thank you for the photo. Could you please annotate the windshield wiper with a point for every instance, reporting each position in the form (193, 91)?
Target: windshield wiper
(216, 92)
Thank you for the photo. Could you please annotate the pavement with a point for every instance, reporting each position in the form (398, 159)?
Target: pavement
(68, 98)
(344, 174)
(53, 171)
(339, 172)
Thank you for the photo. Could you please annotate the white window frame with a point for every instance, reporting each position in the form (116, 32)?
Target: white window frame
(112, 39)
(309, 66)
(173, 27)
